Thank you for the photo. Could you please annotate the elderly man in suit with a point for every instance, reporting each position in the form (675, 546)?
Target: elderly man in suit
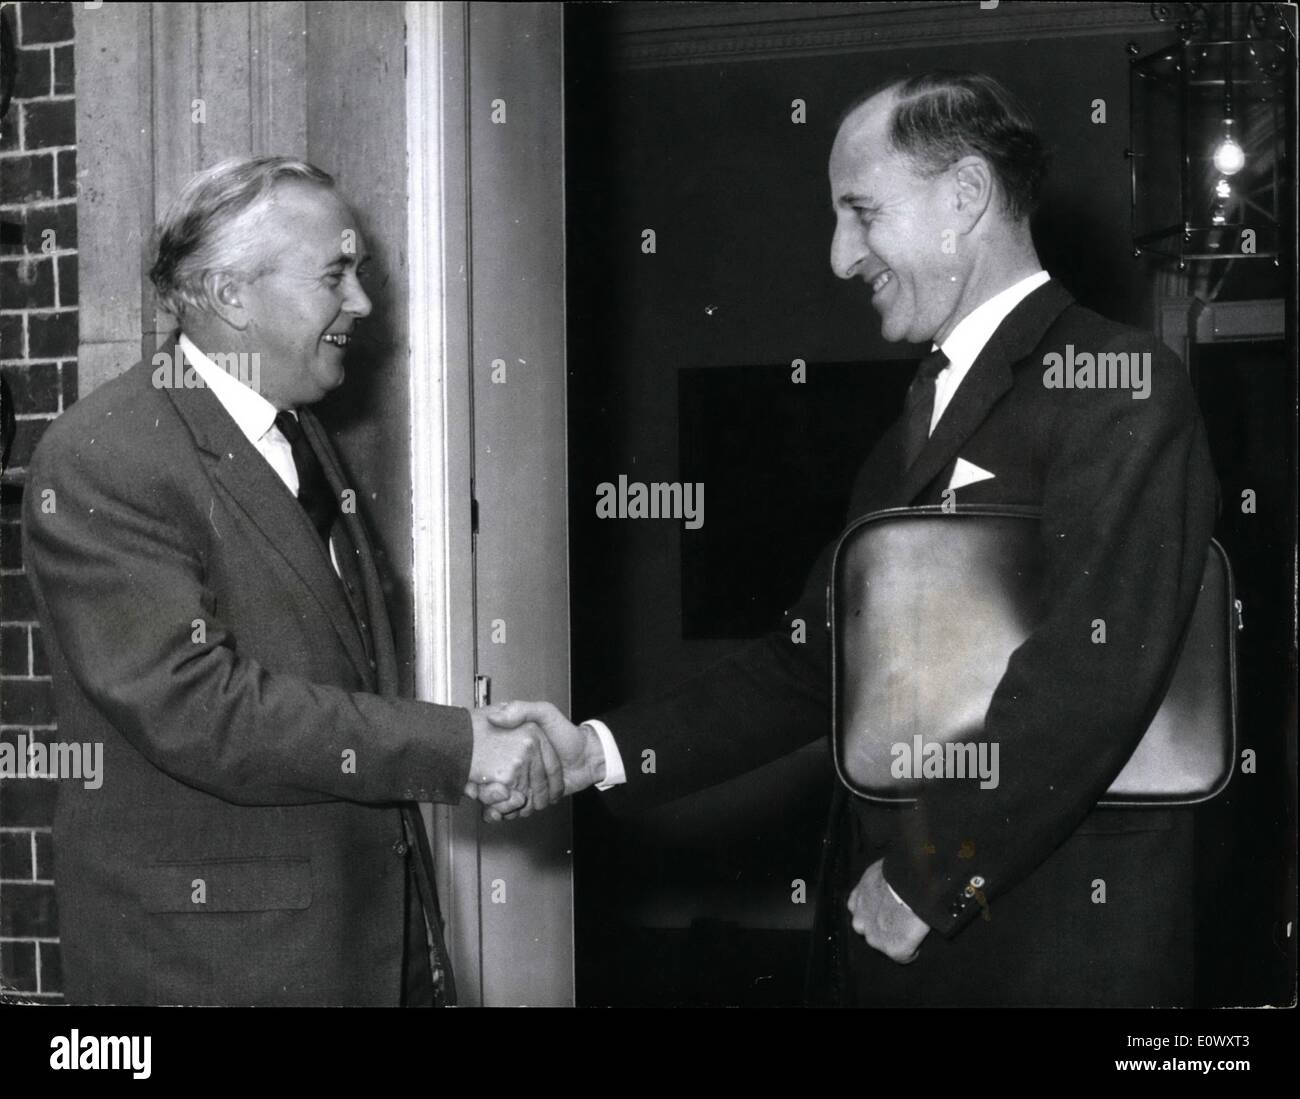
(213, 616)
(980, 896)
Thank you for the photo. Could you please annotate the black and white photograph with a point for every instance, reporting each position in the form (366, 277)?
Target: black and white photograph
(782, 506)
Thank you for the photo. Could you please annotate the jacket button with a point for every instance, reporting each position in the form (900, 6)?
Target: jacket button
(400, 848)
(977, 882)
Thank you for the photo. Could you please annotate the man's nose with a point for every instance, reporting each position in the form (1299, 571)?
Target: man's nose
(358, 301)
(847, 251)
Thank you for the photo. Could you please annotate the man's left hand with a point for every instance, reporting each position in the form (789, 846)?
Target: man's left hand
(886, 923)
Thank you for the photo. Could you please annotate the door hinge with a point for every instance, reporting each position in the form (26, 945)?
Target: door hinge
(482, 691)
(1241, 619)
(473, 516)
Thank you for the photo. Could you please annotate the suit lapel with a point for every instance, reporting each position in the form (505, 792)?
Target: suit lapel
(234, 463)
(988, 379)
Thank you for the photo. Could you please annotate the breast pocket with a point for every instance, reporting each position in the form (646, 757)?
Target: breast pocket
(228, 885)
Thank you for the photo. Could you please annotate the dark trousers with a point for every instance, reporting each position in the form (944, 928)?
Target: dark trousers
(1046, 943)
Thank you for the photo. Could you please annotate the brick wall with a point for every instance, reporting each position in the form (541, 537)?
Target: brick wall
(38, 348)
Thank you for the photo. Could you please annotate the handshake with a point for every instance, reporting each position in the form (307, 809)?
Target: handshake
(528, 755)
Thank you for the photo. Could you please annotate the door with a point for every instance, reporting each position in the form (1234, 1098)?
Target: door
(485, 136)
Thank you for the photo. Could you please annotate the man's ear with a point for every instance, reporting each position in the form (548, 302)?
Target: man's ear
(225, 298)
(974, 191)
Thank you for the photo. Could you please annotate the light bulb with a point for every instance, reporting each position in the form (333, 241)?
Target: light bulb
(1229, 157)
(1223, 189)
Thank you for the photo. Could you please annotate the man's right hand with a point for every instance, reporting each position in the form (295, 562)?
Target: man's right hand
(515, 770)
(577, 746)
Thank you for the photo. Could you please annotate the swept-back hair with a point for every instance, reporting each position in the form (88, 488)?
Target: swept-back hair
(941, 116)
(212, 225)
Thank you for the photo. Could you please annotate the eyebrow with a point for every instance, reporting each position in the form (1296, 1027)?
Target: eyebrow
(854, 199)
(346, 260)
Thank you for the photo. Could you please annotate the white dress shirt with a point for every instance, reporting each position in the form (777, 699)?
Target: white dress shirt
(963, 347)
(973, 331)
(253, 414)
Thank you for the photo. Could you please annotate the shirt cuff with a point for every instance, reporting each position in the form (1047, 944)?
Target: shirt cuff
(615, 775)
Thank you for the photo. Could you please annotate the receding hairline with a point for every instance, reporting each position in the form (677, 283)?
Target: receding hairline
(889, 91)
(846, 136)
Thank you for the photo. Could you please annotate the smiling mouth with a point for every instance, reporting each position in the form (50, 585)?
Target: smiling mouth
(881, 281)
(338, 339)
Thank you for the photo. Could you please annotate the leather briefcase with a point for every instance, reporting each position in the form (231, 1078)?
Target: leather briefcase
(926, 608)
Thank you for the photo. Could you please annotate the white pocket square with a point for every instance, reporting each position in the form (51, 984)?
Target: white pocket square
(968, 473)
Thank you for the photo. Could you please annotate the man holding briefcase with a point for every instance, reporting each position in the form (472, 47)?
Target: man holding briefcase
(1021, 892)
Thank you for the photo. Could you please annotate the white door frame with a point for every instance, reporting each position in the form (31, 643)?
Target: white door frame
(506, 890)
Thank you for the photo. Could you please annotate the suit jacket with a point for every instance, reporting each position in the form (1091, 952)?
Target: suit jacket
(247, 843)
(1034, 896)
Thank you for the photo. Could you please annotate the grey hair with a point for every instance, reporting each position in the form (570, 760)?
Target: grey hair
(205, 228)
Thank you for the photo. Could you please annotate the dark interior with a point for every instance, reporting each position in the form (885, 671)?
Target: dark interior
(679, 371)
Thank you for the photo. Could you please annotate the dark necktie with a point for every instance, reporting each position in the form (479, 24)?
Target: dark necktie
(919, 406)
(314, 492)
